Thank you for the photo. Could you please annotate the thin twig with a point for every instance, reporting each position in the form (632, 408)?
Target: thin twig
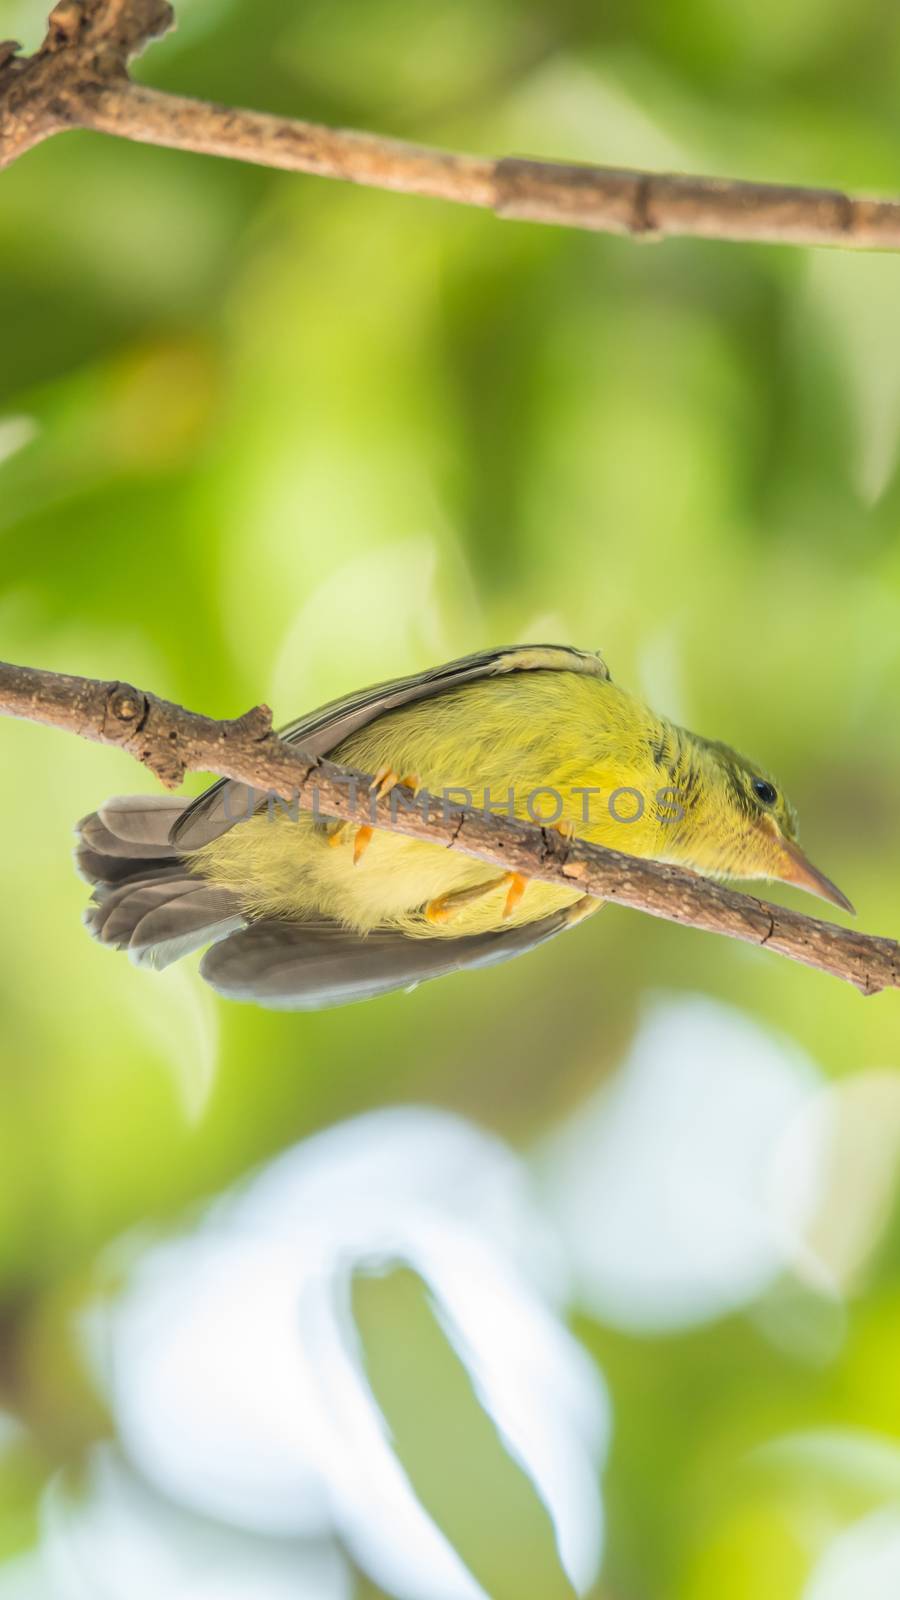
(172, 741)
(78, 79)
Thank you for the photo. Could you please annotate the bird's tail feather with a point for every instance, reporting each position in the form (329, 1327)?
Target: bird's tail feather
(146, 899)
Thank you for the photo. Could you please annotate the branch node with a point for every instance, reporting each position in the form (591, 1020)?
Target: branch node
(65, 22)
(642, 224)
(164, 760)
(125, 711)
(87, 48)
(253, 724)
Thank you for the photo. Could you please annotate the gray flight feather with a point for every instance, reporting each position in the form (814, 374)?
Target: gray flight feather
(307, 966)
(112, 924)
(145, 899)
(176, 928)
(97, 867)
(160, 919)
(127, 838)
(127, 821)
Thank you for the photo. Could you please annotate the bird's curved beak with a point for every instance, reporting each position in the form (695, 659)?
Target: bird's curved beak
(795, 868)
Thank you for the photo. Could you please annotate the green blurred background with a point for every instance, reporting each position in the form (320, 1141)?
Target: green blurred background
(264, 437)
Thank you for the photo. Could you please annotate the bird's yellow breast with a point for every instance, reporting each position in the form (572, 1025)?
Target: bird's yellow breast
(549, 746)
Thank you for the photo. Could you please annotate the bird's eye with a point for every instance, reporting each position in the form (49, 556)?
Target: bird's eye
(765, 791)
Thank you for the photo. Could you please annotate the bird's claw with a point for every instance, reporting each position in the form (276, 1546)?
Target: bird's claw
(384, 781)
(446, 905)
(361, 842)
(516, 885)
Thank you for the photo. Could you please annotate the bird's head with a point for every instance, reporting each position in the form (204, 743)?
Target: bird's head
(753, 827)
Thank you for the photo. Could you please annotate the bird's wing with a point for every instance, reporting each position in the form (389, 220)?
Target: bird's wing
(319, 732)
(308, 966)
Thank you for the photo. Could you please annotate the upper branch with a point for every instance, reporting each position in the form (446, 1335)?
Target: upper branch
(172, 741)
(78, 79)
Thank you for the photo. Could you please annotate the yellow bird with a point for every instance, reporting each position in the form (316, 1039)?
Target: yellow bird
(303, 913)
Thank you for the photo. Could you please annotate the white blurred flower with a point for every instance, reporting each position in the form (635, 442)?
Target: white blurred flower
(234, 1366)
(659, 1185)
(119, 1539)
(22, 1578)
(863, 1563)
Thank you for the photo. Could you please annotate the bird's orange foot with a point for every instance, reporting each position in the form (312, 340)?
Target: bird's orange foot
(438, 911)
(516, 886)
(447, 905)
(387, 779)
(384, 781)
(361, 843)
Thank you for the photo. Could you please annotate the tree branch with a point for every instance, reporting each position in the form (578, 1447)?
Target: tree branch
(172, 741)
(78, 79)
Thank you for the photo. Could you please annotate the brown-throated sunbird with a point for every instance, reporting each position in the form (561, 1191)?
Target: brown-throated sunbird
(302, 913)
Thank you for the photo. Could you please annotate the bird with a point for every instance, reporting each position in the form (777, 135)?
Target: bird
(302, 912)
